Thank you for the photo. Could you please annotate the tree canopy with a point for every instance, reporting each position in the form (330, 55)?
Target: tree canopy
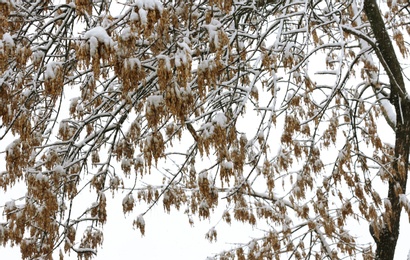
(275, 107)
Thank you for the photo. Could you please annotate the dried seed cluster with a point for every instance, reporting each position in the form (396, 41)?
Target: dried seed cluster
(163, 74)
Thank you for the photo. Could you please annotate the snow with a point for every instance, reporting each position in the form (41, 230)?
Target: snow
(184, 45)
(393, 4)
(134, 16)
(72, 5)
(50, 70)
(143, 16)
(202, 175)
(220, 119)
(387, 106)
(41, 177)
(150, 5)
(139, 160)
(387, 203)
(213, 31)
(207, 130)
(341, 155)
(180, 58)
(128, 199)
(227, 165)
(203, 65)
(100, 34)
(155, 100)
(203, 205)
(166, 59)
(94, 39)
(59, 169)
(134, 61)
(49, 74)
(140, 220)
(8, 40)
(125, 162)
(26, 92)
(37, 56)
(10, 205)
(74, 101)
(10, 148)
(93, 45)
(126, 33)
(403, 199)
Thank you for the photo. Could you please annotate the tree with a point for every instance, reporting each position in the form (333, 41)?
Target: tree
(285, 99)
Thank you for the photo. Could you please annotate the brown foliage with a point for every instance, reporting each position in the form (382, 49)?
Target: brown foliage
(253, 105)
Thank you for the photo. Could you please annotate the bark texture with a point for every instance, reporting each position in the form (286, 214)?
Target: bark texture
(387, 240)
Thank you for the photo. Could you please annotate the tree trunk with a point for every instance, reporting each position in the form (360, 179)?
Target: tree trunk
(389, 233)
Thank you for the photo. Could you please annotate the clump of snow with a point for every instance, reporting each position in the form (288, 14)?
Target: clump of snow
(11, 147)
(125, 162)
(74, 102)
(202, 175)
(403, 199)
(10, 205)
(93, 45)
(388, 107)
(203, 205)
(167, 61)
(387, 203)
(132, 62)
(143, 16)
(59, 169)
(37, 56)
(41, 177)
(98, 35)
(26, 92)
(8, 40)
(212, 28)
(341, 155)
(183, 54)
(150, 5)
(128, 199)
(204, 65)
(140, 220)
(51, 68)
(49, 73)
(227, 165)
(184, 45)
(220, 119)
(207, 130)
(133, 16)
(126, 33)
(288, 51)
(261, 135)
(180, 58)
(155, 100)
(139, 160)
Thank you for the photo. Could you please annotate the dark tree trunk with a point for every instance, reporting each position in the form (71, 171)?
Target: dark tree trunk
(389, 233)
